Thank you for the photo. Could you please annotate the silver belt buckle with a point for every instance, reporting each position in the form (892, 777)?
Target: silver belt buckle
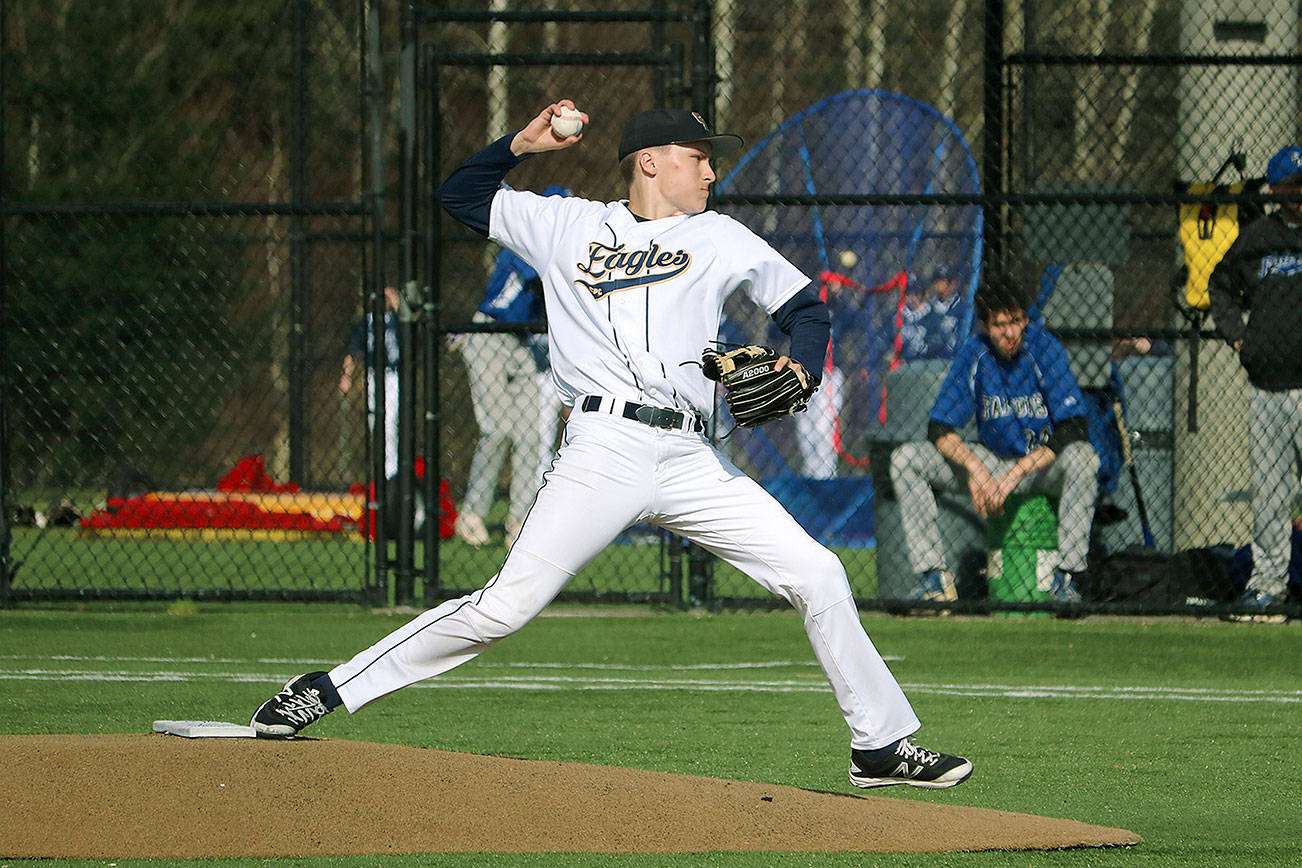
(658, 417)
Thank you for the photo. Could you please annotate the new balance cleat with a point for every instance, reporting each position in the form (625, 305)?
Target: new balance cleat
(905, 763)
(296, 705)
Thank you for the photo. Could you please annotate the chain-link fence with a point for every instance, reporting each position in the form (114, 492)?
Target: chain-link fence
(1099, 157)
(183, 253)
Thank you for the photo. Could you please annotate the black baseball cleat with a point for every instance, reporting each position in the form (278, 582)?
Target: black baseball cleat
(296, 705)
(905, 763)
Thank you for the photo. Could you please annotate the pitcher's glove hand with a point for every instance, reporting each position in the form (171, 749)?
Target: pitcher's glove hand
(758, 391)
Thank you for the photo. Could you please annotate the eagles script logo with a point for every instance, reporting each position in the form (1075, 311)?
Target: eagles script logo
(614, 269)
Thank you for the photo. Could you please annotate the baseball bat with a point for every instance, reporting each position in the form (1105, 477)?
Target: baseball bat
(1128, 457)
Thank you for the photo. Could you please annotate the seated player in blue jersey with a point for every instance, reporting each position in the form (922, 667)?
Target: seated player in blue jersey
(1015, 379)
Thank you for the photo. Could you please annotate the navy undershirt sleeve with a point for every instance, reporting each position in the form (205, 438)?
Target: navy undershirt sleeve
(468, 192)
(805, 321)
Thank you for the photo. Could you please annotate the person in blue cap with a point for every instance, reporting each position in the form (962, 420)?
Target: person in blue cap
(934, 318)
(949, 315)
(1256, 303)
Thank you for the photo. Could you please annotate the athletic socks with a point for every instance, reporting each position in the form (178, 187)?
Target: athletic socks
(329, 696)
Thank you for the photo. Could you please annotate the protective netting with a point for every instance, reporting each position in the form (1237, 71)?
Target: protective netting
(898, 278)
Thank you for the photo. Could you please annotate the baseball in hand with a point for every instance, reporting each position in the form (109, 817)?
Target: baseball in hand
(567, 122)
(849, 259)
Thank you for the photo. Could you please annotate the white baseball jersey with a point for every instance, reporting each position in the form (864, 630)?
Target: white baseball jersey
(628, 301)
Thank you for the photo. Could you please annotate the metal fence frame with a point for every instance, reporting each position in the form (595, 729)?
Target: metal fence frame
(419, 234)
(667, 64)
(999, 199)
(369, 233)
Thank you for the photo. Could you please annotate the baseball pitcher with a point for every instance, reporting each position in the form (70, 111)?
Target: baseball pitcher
(634, 291)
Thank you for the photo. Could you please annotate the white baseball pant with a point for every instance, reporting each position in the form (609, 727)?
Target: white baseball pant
(390, 442)
(918, 469)
(816, 427)
(612, 472)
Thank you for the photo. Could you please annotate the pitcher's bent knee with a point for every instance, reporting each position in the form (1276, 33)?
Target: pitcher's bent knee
(822, 581)
(489, 619)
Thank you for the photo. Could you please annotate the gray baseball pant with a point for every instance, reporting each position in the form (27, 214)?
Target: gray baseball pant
(918, 470)
(504, 392)
(1276, 458)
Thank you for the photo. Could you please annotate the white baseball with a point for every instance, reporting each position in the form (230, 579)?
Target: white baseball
(849, 259)
(567, 122)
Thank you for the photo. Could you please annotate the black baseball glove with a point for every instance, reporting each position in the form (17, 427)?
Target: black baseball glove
(757, 390)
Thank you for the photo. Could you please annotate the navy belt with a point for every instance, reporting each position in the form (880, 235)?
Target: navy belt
(656, 417)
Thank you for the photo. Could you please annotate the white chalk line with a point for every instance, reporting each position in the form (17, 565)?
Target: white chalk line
(274, 661)
(812, 684)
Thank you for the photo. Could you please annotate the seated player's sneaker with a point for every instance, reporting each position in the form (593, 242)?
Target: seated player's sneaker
(1063, 589)
(935, 586)
(905, 763)
(296, 705)
(1255, 606)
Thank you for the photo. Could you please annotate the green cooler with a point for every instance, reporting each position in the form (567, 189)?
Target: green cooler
(1022, 549)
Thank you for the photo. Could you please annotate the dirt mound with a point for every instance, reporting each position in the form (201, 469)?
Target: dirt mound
(159, 796)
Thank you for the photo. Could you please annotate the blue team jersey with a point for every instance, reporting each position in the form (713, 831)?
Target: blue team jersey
(1016, 401)
(915, 333)
(949, 325)
(508, 297)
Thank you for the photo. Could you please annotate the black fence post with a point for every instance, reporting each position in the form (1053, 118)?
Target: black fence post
(373, 97)
(702, 61)
(6, 568)
(700, 566)
(404, 571)
(432, 322)
(673, 550)
(297, 260)
(992, 156)
(700, 575)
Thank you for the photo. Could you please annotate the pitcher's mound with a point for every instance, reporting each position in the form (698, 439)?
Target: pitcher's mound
(159, 796)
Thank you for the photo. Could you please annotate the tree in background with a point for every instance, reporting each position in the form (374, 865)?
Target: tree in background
(145, 336)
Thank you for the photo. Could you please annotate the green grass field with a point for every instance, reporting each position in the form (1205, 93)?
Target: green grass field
(1185, 732)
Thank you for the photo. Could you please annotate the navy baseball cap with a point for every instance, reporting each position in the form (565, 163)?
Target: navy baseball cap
(656, 127)
(1286, 163)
